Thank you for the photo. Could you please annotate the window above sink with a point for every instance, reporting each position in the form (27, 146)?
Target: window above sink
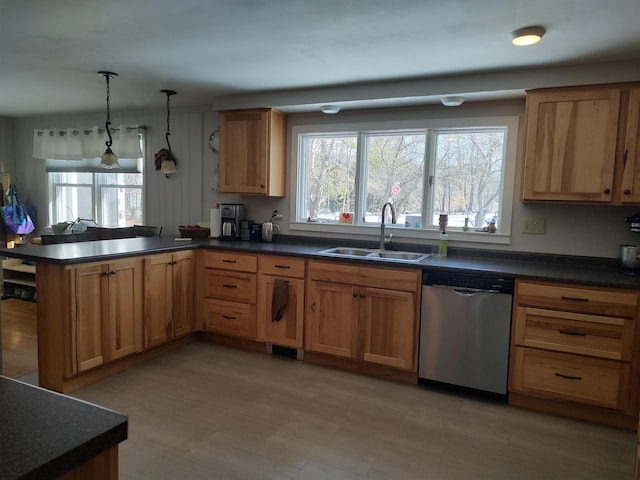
(346, 196)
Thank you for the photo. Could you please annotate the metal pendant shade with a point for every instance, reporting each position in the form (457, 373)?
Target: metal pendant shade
(109, 159)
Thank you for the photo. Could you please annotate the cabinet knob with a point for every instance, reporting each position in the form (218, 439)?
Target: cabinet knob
(355, 295)
(607, 191)
(627, 192)
(262, 185)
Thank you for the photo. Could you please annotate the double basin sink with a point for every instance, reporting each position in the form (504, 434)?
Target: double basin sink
(375, 254)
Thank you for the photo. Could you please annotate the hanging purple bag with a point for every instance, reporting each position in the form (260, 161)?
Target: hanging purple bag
(15, 214)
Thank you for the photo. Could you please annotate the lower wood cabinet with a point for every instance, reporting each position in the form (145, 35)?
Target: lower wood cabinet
(169, 296)
(281, 288)
(230, 293)
(364, 313)
(575, 344)
(107, 311)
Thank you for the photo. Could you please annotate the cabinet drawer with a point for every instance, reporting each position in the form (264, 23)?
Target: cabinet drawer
(615, 303)
(231, 261)
(229, 318)
(379, 277)
(582, 379)
(598, 336)
(281, 266)
(232, 286)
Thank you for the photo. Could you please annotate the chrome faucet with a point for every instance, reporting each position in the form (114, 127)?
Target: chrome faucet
(383, 240)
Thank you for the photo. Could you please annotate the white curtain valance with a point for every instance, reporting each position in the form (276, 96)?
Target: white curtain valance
(85, 143)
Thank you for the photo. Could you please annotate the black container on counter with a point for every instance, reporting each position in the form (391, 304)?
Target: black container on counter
(245, 229)
(255, 232)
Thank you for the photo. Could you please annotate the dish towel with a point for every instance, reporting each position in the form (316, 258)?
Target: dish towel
(279, 299)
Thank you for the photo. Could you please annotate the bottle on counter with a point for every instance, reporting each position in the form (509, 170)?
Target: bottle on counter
(443, 244)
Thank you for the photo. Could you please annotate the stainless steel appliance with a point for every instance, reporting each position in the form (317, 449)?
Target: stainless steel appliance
(629, 256)
(231, 214)
(465, 331)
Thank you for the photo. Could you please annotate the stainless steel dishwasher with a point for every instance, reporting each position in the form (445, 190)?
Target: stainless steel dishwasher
(465, 330)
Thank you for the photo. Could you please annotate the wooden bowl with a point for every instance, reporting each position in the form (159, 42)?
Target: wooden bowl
(193, 231)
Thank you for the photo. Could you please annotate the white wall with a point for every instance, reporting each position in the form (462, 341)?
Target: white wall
(187, 196)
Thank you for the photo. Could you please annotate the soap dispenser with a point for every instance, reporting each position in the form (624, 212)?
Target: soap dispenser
(443, 244)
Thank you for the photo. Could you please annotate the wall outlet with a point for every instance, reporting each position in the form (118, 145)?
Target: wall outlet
(534, 225)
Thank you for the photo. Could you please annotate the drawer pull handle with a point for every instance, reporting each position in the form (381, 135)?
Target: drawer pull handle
(224, 260)
(574, 299)
(283, 266)
(568, 377)
(227, 285)
(228, 317)
(571, 332)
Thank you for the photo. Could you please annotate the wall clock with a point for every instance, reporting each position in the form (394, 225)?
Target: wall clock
(214, 141)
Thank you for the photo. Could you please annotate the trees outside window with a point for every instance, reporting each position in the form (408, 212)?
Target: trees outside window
(422, 172)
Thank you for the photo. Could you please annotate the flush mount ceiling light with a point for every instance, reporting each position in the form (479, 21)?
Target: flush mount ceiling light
(452, 101)
(330, 109)
(527, 36)
(109, 159)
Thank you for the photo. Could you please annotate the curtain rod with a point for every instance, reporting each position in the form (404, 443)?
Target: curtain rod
(40, 132)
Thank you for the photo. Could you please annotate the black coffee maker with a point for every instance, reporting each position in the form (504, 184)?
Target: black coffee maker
(230, 215)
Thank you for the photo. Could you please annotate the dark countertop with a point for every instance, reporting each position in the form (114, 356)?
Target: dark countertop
(44, 434)
(603, 272)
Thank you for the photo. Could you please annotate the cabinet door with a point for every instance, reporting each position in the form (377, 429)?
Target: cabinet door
(288, 330)
(570, 144)
(92, 285)
(157, 299)
(388, 327)
(253, 152)
(332, 319)
(125, 308)
(183, 310)
(243, 151)
(630, 186)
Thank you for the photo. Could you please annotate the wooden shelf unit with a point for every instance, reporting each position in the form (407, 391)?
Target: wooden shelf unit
(16, 274)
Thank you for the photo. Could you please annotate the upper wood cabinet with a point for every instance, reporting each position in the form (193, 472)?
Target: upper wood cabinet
(630, 183)
(252, 152)
(580, 145)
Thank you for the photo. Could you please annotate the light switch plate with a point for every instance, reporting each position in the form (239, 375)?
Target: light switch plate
(534, 225)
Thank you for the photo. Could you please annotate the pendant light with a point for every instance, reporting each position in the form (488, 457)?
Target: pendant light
(167, 160)
(109, 159)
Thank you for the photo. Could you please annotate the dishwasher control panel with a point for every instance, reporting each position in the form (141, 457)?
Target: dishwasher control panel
(467, 280)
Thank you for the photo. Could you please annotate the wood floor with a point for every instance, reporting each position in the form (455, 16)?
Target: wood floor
(211, 412)
(19, 338)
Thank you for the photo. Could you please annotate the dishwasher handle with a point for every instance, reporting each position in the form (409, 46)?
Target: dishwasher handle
(466, 291)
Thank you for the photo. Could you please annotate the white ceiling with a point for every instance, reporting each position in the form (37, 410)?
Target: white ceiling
(50, 51)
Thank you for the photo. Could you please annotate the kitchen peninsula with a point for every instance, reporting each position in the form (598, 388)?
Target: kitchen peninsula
(123, 289)
(48, 435)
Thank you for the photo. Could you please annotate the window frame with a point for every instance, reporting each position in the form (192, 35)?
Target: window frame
(298, 170)
(97, 193)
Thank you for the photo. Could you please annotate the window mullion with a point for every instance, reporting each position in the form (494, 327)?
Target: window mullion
(361, 180)
(96, 192)
(429, 179)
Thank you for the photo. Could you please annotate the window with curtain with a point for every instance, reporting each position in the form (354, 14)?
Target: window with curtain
(79, 188)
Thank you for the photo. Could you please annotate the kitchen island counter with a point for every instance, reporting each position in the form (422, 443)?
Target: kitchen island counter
(46, 434)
